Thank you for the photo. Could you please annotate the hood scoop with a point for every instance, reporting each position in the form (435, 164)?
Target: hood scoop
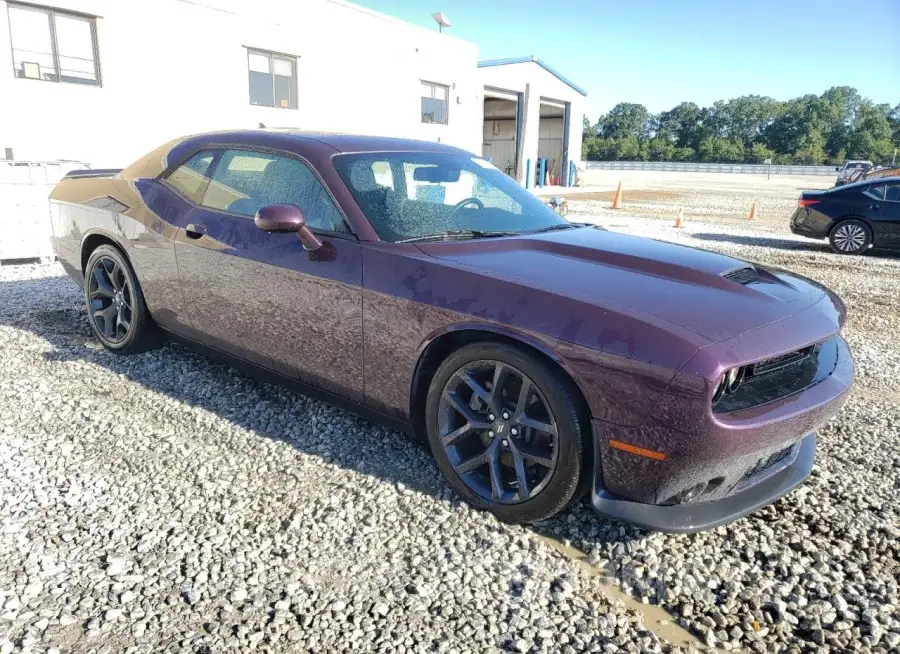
(745, 275)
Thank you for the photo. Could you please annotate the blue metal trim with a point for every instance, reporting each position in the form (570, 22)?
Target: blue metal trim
(488, 63)
(528, 173)
(543, 172)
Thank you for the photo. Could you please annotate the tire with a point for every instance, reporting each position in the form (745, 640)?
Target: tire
(850, 236)
(116, 310)
(553, 475)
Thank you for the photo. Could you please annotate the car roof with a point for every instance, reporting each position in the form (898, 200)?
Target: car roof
(363, 143)
(865, 182)
(340, 142)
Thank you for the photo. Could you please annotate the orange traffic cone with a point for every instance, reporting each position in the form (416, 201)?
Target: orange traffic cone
(752, 214)
(617, 201)
(679, 219)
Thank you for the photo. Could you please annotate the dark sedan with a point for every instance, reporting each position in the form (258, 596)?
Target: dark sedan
(420, 286)
(854, 217)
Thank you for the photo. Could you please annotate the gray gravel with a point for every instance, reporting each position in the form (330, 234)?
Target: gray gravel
(164, 502)
(820, 569)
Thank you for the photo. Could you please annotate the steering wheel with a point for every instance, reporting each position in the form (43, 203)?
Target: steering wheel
(459, 205)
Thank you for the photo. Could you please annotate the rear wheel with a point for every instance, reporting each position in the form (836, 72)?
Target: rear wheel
(116, 309)
(850, 237)
(506, 431)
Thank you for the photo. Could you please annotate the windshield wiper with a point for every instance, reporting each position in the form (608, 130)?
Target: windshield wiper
(554, 228)
(456, 234)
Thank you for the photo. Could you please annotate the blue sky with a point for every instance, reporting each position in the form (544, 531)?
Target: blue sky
(661, 52)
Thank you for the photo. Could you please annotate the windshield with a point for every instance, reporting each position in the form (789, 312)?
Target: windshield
(414, 195)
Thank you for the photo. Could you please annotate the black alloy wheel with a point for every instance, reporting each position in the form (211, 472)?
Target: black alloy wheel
(497, 431)
(111, 300)
(115, 305)
(506, 431)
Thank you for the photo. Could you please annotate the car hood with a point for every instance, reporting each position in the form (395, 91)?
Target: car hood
(642, 277)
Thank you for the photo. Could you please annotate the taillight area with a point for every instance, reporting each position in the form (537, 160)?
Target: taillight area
(804, 202)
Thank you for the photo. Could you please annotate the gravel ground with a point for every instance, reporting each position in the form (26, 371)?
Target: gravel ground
(164, 502)
(820, 569)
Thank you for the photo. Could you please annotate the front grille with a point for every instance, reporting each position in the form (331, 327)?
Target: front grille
(742, 275)
(766, 463)
(775, 364)
(779, 377)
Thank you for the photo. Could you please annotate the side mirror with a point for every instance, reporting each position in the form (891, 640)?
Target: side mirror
(837, 168)
(287, 218)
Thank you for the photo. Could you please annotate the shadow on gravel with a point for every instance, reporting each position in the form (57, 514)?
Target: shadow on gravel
(786, 244)
(241, 399)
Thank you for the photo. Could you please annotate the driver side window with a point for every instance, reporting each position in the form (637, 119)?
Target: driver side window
(244, 181)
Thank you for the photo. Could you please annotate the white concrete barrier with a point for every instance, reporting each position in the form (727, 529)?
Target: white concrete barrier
(25, 228)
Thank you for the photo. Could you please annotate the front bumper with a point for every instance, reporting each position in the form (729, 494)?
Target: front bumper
(699, 516)
(686, 468)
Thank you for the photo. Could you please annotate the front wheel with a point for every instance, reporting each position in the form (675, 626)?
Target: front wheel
(116, 309)
(850, 237)
(506, 431)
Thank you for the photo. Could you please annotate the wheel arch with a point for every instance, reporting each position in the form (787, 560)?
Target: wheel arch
(441, 344)
(94, 239)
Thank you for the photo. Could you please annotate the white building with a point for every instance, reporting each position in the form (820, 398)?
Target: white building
(104, 81)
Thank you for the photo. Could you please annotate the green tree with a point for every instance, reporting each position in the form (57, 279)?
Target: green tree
(683, 154)
(746, 118)
(758, 153)
(811, 129)
(660, 149)
(624, 120)
(715, 149)
(871, 135)
(680, 123)
(842, 106)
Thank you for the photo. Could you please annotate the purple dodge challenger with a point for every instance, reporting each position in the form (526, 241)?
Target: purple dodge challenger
(420, 286)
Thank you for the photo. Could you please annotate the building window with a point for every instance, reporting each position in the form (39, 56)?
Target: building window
(53, 45)
(435, 100)
(273, 79)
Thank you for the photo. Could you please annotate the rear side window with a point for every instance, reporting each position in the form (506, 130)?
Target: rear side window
(192, 177)
(892, 192)
(245, 181)
(876, 191)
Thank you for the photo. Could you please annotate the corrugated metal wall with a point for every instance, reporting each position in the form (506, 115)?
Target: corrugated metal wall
(24, 209)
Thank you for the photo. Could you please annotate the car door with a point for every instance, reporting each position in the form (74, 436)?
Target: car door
(891, 214)
(260, 295)
(878, 214)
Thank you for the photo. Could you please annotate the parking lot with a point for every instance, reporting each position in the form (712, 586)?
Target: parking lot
(165, 502)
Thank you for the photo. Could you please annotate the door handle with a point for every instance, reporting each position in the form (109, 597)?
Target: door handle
(874, 207)
(194, 231)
